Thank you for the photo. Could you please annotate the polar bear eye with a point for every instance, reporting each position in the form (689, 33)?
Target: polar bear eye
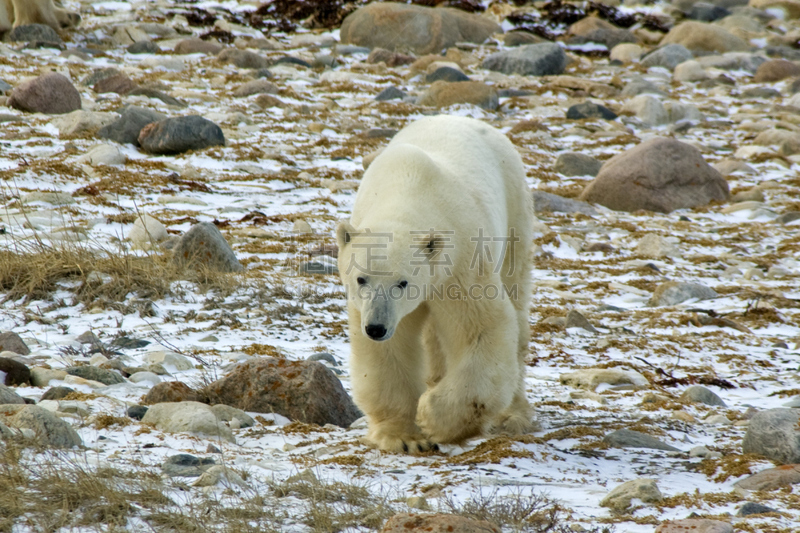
(360, 281)
(403, 284)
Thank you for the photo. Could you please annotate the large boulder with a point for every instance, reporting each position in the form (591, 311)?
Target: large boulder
(126, 130)
(775, 434)
(180, 134)
(413, 28)
(52, 94)
(48, 428)
(660, 175)
(306, 391)
(703, 37)
(543, 59)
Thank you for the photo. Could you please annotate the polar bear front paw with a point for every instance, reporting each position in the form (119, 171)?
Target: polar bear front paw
(441, 423)
(412, 444)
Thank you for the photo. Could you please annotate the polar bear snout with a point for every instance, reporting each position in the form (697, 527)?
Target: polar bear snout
(376, 332)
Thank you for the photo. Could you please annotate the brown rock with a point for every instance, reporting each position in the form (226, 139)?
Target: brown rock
(16, 373)
(776, 70)
(436, 523)
(306, 391)
(596, 30)
(119, 83)
(443, 94)
(52, 94)
(11, 342)
(695, 525)
(243, 58)
(172, 391)
(260, 86)
(660, 175)
(267, 100)
(699, 36)
(198, 46)
(790, 7)
(391, 59)
(771, 478)
(419, 29)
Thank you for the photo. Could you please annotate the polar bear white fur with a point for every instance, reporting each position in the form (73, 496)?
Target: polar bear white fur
(436, 263)
(15, 13)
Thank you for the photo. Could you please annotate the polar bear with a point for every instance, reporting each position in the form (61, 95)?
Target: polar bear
(436, 264)
(15, 13)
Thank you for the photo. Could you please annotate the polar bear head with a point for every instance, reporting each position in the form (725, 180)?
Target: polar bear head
(387, 273)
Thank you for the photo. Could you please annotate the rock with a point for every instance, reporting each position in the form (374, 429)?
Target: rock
(590, 378)
(8, 396)
(136, 412)
(243, 58)
(750, 508)
(679, 111)
(707, 12)
(625, 438)
(51, 94)
(641, 86)
(733, 61)
(170, 359)
(390, 93)
(619, 500)
(11, 342)
(574, 164)
(185, 465)
(775, 434)
(204, 246)
(436, 523)
(545, 59)
(654, 246)
(520, 38)
(117, 84)
(220, 474)
(189, 417)
(695, 525)
(703, 37)
(34, 33)
(444, 94)
(260, 86)
(54, 198)
(761, 92)
(419, 29)
(787, 142)
(590, 110)
(50, 430)
(301, 390)
(699, 451)
(771, 478)
(575, 319)
(103, 154)
(626, 53)
(675, 292)
(593, 29)
(13, 373)
(690, 71)
(648, 109)
(143, 47)
(265, 101)
(94, 373)
(81, 121)
(668, 56)
(197, 46)
(659, 175)
(317, 267)
(545, 202)
(144, 376)
(126, 130)
(181, 134)
(700, 394)
(788, 218)
(389, 58)
(790, 9)
(57, 393)
(155, 93)
(226, 413)
(446, 74)
(41, 377)
(172, 392)
(776, 70)
(147, 229)
(729, 166)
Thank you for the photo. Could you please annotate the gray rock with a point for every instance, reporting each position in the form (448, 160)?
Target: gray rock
(226, 413)
(98, 75)
(197, 46)
(754, 508)
(185, 465)
(137, 412)
(52, 94)
(761, 92)
(706, 12)
(700, 394)
(444, 94)
(11, 342)
(620, 499)
(143, 47)
(126, 130)
(543, 59)
(8, 396)
(733, 61)
(95, 373)
(155, 93)
(625, 438)
(419, 29)
(545, 202)
(181, 134)
(259, 86)
(323, 356)
(190, 417)
(243, 58)
(446, 74)
(574, 164)
(575, 319)
(49, 429)
(590, 110)
(659, 175)
(648, 109)
(204, 246)
(15, 372)
(775, 434)
(593, 29)
(668, 56)
(56, 393)
(675, 292)
(390, 93)
(641, 86)
(771, 478)
(34, 33)
(5, 87)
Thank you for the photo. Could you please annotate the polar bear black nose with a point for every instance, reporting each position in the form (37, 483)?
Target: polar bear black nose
(376, 331)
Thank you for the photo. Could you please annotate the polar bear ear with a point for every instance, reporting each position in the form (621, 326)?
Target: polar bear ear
(344, 233)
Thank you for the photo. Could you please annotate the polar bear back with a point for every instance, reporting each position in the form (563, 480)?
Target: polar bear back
(439, 168)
